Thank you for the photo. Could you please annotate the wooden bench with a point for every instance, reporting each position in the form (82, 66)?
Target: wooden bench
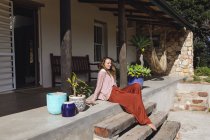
(80, 65)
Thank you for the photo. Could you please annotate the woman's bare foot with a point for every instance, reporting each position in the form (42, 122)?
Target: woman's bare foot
(152, 126)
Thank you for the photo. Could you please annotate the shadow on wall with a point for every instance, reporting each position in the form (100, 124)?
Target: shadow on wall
(164, 38)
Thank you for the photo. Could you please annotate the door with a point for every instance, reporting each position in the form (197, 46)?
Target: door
(26, 46)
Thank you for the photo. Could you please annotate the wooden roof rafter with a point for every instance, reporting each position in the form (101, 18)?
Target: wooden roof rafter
(128, 10)
(146, 3)
(116, 9)
(160, 23)
(138, 5)
(100, 1)
(144, 17)
(154, 8)
(27, 3)
(166, 8)
(135, 12)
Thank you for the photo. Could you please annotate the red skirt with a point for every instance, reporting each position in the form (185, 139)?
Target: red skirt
(131, 99)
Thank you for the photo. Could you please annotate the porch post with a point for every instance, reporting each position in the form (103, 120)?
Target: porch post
(122, 41)
(66, 46)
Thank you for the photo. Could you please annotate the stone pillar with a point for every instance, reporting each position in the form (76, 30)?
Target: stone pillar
(183, 65)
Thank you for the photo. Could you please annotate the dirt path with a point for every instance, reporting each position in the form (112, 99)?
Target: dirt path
(195, 125)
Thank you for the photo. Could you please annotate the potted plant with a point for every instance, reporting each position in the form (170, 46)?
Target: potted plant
(80, 91)
(136, 74)
(140, 42)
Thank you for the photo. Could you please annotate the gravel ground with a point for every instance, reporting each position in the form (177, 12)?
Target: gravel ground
(195, 125)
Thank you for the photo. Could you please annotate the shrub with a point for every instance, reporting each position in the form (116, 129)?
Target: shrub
(196, 78)
(207, 79)
(202, 71)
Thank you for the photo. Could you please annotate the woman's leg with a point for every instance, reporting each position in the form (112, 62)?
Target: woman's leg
(134, 88)
(132, 103)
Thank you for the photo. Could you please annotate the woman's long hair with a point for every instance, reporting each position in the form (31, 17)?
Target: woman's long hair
(112, 70)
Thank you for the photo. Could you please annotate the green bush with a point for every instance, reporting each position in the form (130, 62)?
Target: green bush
(207, 80)
(196, 78)
(202, 71)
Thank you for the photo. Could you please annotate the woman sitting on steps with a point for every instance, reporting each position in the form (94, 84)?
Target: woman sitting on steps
(129, 97)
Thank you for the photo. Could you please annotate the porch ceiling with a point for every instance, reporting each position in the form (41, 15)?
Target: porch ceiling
(156, 12)
(28, 3)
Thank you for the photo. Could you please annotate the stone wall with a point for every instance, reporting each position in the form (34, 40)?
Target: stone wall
(178, 44)
(191, 96)
(183, 65)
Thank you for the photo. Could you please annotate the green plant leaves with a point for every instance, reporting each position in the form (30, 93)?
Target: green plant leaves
(202, 71)
(138, 71)
(140, 42)
(79, 86)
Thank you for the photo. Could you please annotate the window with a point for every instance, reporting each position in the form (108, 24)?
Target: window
(100, 49)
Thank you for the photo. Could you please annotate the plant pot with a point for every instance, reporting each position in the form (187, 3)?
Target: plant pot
(132, 80)
(55, 101)
(79, 102)
(69, 109)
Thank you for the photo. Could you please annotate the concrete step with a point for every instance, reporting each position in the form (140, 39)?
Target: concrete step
(168, 131)
(141, 132)
(115, 125)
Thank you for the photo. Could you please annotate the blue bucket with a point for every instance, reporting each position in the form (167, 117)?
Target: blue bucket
(55, 101)
(69, 109)
(132, 80)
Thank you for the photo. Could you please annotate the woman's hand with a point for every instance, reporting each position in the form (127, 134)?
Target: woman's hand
(90, 102)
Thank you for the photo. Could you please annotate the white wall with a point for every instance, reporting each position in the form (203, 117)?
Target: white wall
(49, 20)
(83, 17)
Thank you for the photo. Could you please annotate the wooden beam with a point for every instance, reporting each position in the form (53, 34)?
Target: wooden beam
(114, 2)
(122, 40)
(142, 132)
(100, 1)
(165, 9)
(116, 10)
(162, 4)
(146, 9)
(159, 23)
(114, 125)
(146, 18)
(66, 46)
(28, 4)
(168, 131)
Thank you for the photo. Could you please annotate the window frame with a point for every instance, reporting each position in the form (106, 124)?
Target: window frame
(102, 44)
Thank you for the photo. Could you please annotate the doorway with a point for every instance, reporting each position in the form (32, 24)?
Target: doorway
(26, 47)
